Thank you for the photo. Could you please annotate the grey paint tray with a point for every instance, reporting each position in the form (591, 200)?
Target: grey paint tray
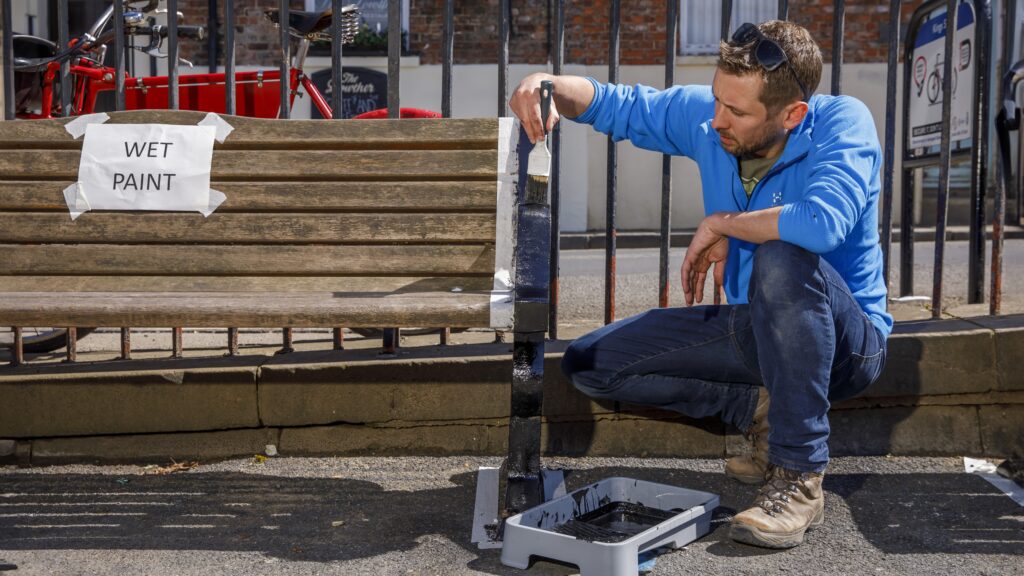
(603, 527)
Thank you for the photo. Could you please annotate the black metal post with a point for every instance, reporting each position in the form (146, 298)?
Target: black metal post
(447, 58)
(337, 40)
(394, 57)
(671, 24)
(838, 25)
(783, 9)
(979, 153)
(63, 36)
(889, 163)
(212, 31)
(943, 198)
(9, 104)
(119, 54)
(284, 17)
(610, 230)
(726, 18)
(556, 177)
(503, 33)
(229, 57)
(172, 55)
(907, 232)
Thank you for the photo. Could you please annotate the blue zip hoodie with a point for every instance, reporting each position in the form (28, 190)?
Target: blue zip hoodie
(827, 179)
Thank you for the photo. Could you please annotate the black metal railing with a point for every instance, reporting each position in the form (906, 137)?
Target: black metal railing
(977, 154)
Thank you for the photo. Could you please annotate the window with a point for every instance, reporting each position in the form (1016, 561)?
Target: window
(700, 24)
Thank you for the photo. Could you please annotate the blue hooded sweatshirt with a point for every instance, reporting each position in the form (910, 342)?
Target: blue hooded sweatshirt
(827, 179)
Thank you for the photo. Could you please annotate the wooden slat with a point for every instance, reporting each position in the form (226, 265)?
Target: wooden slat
(284, 197)
(311, 165)
(192, 227)
(400, 284)
(207, 260)
(273, 134)
(266, 310)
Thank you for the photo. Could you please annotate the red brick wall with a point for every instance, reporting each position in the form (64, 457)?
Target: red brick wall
(586, 34)
(642, 32)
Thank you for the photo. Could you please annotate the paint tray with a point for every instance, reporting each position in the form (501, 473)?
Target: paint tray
(603, 527)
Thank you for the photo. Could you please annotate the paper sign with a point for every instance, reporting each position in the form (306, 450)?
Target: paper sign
(145, 167)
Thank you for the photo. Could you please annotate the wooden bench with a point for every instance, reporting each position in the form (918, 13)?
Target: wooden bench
(326, 224)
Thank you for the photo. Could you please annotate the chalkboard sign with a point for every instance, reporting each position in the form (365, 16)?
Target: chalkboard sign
(362, 90)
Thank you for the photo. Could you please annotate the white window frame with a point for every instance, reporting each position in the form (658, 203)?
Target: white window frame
(700, 22)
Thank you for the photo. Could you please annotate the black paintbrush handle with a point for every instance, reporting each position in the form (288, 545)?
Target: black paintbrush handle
(546, 88)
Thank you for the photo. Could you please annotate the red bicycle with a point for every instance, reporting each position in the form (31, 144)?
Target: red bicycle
(37, 63)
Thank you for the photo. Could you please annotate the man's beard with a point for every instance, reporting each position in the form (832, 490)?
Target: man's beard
(764, 140)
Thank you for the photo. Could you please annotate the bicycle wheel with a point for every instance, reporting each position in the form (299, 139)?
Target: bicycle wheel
(40, 339)
(934, 84)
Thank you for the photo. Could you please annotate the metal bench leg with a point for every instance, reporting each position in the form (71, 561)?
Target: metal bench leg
(524, 489)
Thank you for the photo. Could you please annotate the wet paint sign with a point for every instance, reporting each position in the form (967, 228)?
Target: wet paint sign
(145, 167)
(928, 62)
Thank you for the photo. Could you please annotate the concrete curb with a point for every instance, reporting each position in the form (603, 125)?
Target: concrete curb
(950, 387)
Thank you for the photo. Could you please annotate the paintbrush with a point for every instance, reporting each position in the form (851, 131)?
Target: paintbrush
(539, 163)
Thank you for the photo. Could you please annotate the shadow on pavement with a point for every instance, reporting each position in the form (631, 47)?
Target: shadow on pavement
(325, 520)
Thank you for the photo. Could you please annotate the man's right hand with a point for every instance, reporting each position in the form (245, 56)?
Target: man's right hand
(572, 95)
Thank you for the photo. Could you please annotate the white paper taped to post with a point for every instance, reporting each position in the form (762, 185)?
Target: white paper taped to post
(145, 167)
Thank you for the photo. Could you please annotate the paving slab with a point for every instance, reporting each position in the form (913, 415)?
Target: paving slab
(399, 516)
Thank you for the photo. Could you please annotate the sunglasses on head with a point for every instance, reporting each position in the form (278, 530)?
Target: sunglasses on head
(767, 52)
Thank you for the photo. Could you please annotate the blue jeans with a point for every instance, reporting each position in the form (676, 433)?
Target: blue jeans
(802, 336)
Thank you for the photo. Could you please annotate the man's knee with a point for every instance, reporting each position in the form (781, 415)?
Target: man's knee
(777, 267)
(579, 367)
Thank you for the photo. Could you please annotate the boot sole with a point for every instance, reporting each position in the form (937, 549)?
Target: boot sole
(750, 535)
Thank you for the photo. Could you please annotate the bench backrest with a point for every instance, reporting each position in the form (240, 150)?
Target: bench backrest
(342, 206)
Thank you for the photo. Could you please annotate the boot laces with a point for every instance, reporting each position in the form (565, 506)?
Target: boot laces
(780, 486)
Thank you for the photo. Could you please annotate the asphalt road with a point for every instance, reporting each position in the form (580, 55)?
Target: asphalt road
(397, 516)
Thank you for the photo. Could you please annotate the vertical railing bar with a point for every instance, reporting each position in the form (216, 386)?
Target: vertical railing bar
(172, 55)
(447, 57)
(394, 58)
(556, 179)
(445, 336)
(232, 332)
(19, 336)
(284, 18)
(9, 104)
(287, 341)
(503, 33)
(783, 9)
(889, 163)
(979, 155)
(72, 340)
(726, 19)
(119, 54)
(943, 198)
(229, 58)
(63, 36)
(907, 231)
(337, 40)
(176, 345)
(610, 230)
(671, 24)
(338, 336)
(212, 32)
(838, 27)
(126, 335)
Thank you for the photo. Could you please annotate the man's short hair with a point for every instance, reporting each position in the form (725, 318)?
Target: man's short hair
(779, 86)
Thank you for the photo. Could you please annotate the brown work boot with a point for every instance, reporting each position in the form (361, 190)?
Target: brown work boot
(750, 468)
(787, 505)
